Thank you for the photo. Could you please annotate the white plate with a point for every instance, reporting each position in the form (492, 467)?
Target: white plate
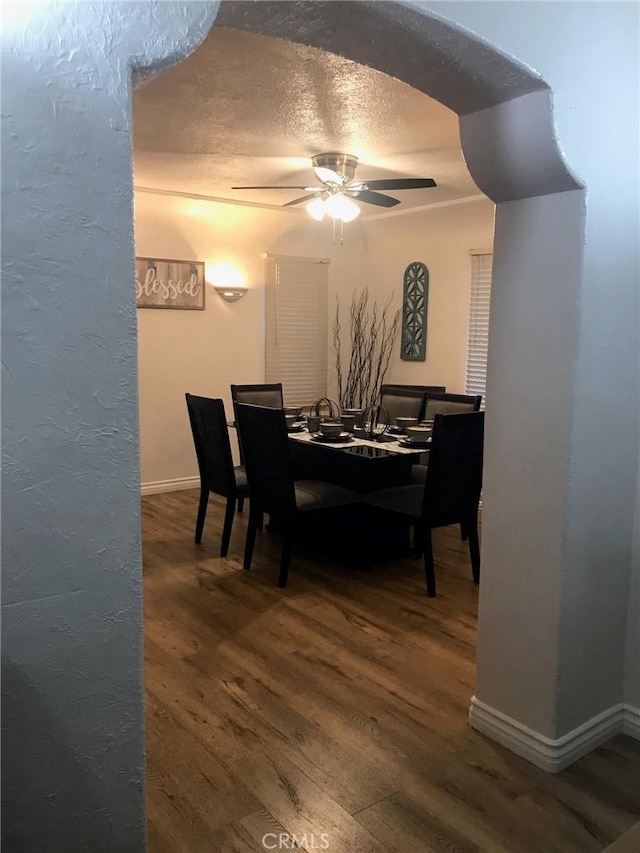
(299, 425)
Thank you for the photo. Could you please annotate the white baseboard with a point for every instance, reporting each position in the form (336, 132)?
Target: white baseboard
(178, 485)
(550, 754)
(631, 722)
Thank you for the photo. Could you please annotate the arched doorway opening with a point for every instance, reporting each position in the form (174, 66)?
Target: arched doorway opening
(508, 140)
(507, 133)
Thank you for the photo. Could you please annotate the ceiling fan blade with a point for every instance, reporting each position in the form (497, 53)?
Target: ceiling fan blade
(270, 188)
(374, 198)
(396, 184)
(301, 199)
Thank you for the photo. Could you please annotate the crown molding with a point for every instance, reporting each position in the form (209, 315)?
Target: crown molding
(365, 218)
(216, 199)
(424, 207)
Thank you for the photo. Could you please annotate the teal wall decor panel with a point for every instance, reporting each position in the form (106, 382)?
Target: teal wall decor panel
(414, 312)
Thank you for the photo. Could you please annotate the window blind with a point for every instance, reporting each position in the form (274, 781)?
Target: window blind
(297, 327)
(478, 341)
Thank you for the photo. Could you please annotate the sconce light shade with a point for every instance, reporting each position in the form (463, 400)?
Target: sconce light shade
(230, 294)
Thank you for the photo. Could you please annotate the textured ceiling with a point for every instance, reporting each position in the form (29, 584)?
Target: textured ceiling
(251, 109)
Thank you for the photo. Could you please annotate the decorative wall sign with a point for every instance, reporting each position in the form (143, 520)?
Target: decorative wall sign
(162, 283)
(415, 296)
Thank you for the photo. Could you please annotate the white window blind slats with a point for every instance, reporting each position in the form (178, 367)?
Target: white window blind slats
(297, 328)
(478, 341)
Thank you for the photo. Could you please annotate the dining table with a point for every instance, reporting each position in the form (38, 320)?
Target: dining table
(358, 461)
(363, 463)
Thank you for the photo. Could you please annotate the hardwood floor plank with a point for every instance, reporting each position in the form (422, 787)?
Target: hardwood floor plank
(302, 807)
(627, 843)
(197, 785)
(254, 715)
(261, 827)
(338, 704)
(258, 831)
(402, 826)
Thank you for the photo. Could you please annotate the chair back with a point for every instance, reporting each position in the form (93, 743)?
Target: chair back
(258, 395)
(267, 458)
(211, 440)
(405, 400)
(439, 403)
(454, 476)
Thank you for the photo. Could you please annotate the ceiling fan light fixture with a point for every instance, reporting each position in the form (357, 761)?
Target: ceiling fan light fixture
(338, 206)
(334, 168)
(317, 208)
(327, 176)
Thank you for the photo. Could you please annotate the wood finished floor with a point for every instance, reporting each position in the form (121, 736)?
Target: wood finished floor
(338, 706)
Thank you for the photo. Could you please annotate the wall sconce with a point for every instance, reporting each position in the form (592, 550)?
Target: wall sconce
(228, 282)
(230, 294)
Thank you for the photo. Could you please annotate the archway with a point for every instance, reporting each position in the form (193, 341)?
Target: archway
(508, 140)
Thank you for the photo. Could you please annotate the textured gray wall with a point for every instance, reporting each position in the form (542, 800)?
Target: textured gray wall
(73, 746)
(574, 607)
(632, 661)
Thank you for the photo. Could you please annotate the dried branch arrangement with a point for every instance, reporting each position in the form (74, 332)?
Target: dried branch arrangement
(372, 334)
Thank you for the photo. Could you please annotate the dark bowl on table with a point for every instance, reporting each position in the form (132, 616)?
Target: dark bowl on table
(419, 433)
(331, 428)
(403, 422)
(296, 411)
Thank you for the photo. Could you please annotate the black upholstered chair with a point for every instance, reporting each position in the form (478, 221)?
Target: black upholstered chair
(405, 400)
(450, 493)
(440, 403)
(215, 463)
(267, 394)
(264, 437)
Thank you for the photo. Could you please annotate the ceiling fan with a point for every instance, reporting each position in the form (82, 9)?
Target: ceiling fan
(335, 196)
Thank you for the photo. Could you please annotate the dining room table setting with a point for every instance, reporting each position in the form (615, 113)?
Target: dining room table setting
(365, 479)
(359, 449)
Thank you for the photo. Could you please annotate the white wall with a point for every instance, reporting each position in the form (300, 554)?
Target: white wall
(203, 352)
(441, 238)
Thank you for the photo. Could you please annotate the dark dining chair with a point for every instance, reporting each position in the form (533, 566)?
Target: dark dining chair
(266, 394)
(450, 493)
(405, 400)
(270, 472)
(215, 463)
(440, 403)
